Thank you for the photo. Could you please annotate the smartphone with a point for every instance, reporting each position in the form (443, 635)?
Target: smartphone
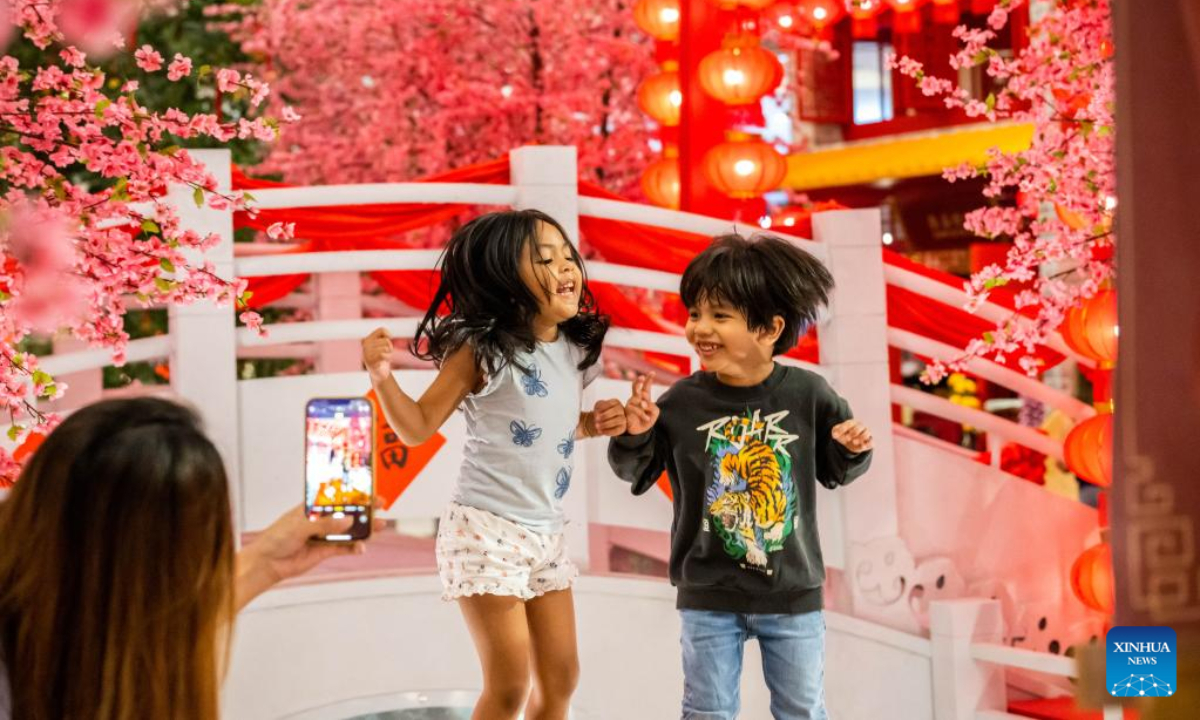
(339, 467)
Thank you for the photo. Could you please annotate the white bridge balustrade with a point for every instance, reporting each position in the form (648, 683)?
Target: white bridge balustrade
(362, 641)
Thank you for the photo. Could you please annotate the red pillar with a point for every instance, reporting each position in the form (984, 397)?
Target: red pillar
(703, 119)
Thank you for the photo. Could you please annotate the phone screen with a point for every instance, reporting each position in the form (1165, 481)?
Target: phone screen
(339, 476)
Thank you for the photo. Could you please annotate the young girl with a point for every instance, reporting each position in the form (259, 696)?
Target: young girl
(514, 332)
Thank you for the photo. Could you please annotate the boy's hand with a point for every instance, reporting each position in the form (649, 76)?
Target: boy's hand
(853, 435)
(608, 418)
(377, 352)
(640, 412)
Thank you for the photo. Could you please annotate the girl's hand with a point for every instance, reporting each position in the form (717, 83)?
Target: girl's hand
(608, 418)
(377, 352)
(853, 435)
(640, 412)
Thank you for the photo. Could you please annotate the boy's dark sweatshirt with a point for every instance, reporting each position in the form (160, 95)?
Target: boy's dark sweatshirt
(791, 413)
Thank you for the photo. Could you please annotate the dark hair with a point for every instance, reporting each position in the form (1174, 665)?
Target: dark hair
(481, 300)
(116, 570)
(763, 277)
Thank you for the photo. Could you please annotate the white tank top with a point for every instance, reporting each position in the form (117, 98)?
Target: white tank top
(519, 454)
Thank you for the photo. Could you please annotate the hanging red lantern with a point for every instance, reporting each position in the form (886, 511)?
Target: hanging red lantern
(1092, 578)
(658, 18)
(783, 16)
(1088, 449)
(741, 72)
(660, 96)
(744, 168)
(821, 14)
(660, 181)
(906, 15)
(1090, 329)
(864, 15)
(982, 7)
(946, 12)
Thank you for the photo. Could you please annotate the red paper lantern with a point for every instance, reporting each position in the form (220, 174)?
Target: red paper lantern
(660, 96)
(1090, 329)
(946, 12)
(658, 18)
(821, 14)
(1088, 449)
(784, 16)
(906, 15)
(744, 169)
(1092, 578)
(660, 182)
(741, 72)
(864, 15)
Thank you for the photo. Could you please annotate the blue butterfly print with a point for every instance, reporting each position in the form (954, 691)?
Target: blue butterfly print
(566, 447)
(562, 483)
(533, 384)
(522, 435)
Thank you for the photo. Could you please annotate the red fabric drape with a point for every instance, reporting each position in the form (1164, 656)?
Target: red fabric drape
(369, 224)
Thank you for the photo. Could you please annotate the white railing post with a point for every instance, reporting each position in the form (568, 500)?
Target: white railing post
(203, 336)
(962, 685)
(854, 349)
(339, 297)
(84, 387)
(547, 179)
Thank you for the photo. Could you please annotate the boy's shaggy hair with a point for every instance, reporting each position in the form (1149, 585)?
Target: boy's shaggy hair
(763, 276)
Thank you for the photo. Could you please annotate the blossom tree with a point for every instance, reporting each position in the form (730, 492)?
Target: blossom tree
(85, 166)
(393, 90)
(1061, 232)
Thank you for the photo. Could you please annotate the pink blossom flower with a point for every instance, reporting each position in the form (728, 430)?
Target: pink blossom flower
(227, 80)
(91, 24)
(253, 321)
(180, 68)
(71, 56)
(281, 231)
(148, 59)
(48, 293)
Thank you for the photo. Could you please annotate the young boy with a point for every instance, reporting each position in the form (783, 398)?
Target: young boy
(744, 443)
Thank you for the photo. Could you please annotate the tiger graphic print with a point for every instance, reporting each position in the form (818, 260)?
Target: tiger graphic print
(759, 509)
(751, 500)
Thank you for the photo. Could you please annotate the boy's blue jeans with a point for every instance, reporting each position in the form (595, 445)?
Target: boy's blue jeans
(793, 655)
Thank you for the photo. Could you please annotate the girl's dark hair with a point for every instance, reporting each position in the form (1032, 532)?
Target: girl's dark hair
(481, 300)
(116, 568)
(763, 277)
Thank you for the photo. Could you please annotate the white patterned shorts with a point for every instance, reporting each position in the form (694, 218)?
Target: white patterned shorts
(481, 553)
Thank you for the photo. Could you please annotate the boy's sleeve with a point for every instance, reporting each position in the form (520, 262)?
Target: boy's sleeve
(638, 459)
(836, 465)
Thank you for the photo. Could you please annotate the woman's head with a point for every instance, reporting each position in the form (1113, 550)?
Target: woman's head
(116, 570)
(505, 276)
